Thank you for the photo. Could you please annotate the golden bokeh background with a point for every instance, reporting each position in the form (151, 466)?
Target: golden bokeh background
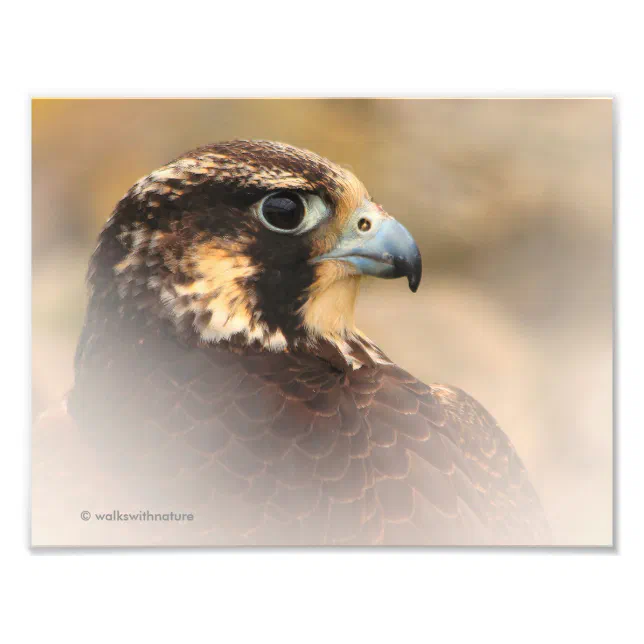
(510, 202)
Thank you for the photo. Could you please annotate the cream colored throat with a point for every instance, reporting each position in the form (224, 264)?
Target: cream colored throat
(330, 309)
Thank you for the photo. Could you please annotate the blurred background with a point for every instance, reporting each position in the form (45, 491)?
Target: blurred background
(510, 202)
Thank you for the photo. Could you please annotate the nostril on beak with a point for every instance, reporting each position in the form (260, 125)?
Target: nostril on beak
(364, 225)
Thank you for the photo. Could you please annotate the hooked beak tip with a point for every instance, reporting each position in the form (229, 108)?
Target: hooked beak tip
(412, 269)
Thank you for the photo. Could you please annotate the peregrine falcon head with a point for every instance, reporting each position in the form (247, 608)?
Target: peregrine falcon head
(251, 243)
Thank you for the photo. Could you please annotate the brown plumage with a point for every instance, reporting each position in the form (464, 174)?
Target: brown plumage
(219, 374)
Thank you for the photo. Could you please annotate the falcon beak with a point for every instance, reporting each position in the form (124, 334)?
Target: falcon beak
(376, 244)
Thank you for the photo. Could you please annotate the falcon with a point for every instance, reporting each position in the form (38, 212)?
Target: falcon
(220, 378)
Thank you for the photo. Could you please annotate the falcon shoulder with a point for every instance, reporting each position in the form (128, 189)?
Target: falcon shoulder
(285, 449)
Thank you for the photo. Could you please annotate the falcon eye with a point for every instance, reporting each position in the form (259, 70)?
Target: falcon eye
(282, 211)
